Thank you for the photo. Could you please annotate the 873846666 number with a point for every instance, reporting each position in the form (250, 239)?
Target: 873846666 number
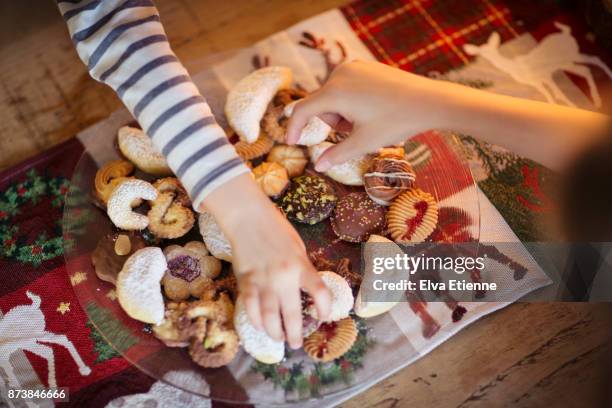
(37, 394)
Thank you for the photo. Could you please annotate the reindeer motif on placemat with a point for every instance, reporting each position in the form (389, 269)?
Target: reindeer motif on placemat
(556, 52)
(23, 328)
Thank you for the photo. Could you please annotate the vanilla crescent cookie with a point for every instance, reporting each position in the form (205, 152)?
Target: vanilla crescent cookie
(127, 195)
(248, 100)
(315, 131)
(256, 342)
(350, 172)
(139, 285)
(213, 237)
(138, 148)
(342, 296)
(412, 217)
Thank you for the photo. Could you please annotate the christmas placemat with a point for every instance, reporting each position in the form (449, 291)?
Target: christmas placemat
(51, 342)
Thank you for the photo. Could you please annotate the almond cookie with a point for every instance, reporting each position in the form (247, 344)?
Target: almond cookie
(138, 148)
(250, 151)
(108, 259)
(331, 340)
(110, 176)
(191, 270)
(309, 200)
(274, 122)
(388, 175)
(356, 217)
(412, 217)
(124, 197)
(139, 285)
(349, 173)
(170, 215)
(291, 158)
(248, 100)
(272, 178)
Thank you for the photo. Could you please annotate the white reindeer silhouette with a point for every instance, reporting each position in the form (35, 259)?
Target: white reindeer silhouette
(23, 328)
(556, 52)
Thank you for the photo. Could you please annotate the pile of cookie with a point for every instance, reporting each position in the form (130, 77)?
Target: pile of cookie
(181, 289)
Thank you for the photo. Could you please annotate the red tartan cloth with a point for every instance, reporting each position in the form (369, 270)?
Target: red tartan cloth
(420, 36)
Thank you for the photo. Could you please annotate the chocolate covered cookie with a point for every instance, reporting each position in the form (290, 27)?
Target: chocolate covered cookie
(310, 199)
(356, 217)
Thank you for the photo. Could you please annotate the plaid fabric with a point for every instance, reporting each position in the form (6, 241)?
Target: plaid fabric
(420, 36)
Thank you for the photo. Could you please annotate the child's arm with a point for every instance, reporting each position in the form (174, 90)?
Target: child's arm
(124, 45)
(384, 105)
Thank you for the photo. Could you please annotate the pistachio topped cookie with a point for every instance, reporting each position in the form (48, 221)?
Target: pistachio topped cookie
(309, 200)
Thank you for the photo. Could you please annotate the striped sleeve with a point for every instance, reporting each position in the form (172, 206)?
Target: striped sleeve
(124, 45)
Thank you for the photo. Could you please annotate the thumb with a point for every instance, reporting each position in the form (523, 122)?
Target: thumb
(356, 145)
(313, 105)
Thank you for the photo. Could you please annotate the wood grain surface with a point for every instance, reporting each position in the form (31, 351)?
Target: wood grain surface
(525, 355)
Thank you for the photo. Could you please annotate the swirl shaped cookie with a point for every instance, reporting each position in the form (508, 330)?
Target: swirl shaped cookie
(388, 175)
(110, 176)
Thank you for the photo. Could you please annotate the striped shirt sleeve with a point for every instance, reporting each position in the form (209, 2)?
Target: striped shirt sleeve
(124, 45)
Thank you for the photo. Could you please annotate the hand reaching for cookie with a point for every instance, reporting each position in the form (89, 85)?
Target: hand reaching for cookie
(382, 106)
(269, 259)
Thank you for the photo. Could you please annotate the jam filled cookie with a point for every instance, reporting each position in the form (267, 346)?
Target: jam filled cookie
(191, 270)
(349, 173)
(170, 215)
(356, 217)
(309, 200)
(274, 122)
(124, 197)
(138, 148)
(112, 251)
(291, 158)
(110, 176)
(331, 340)
(272, 178)
(388, 175)
(248, 100)
(412, 217)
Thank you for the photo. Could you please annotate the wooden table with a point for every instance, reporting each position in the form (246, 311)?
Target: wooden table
(524, 355)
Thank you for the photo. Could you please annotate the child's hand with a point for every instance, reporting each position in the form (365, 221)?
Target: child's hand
(382, 106)
(269, 259)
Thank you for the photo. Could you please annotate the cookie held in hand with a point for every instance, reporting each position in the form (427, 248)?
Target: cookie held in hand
(138, 148)
(412, 217)
(309, 200)
(274, 122)
(350, 172)
(191, 270)
(356, 217)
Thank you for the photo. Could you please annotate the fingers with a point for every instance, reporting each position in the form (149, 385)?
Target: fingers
(270, 313)
(352, 147)
(291, 307)
(313, 284)
(316, 104)
(250, 294)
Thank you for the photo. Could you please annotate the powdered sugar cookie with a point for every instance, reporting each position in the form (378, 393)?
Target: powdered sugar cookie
(256, 342)
(315, 131)
(342, 296)
(213, 237)
(138, 148)
(350, 172)
(412, 217)
(248, 99)
(127, 195)
(138, 285)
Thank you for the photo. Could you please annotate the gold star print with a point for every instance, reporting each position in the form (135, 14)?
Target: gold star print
(63, 308)
(112, 295)
(77, 278)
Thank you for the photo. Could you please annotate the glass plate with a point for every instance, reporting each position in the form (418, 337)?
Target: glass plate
(441, 169)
